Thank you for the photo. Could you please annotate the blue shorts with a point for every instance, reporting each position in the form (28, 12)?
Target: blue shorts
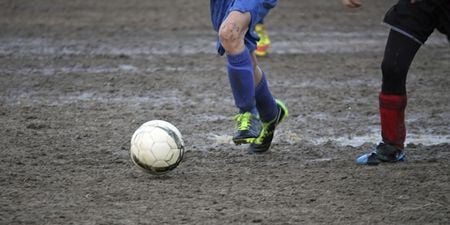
(258, 9)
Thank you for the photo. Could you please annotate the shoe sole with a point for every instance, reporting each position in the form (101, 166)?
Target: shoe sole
(244, 141)
(260, 53)
(364, 160)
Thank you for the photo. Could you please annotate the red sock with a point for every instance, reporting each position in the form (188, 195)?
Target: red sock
(392, 115)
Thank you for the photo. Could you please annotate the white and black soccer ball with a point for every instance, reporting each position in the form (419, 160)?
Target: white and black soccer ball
(157, 147)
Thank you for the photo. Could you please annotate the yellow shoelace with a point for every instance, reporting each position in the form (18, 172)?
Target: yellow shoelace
(243, 120)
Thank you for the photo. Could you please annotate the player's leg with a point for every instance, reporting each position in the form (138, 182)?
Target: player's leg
(412, 23)
(271, 111)
(241, 76)
(239, 47)
(399, 53)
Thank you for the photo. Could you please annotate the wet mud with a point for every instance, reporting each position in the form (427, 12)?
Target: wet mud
(78, 77)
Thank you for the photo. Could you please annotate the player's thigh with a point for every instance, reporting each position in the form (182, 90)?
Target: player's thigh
(414, 19)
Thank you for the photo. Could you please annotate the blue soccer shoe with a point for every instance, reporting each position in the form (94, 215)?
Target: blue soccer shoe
(382, 153)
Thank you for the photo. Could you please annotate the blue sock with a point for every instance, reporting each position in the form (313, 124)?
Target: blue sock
(240, 74)
(267, 107)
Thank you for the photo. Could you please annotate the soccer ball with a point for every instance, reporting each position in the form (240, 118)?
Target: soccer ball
(157, 147)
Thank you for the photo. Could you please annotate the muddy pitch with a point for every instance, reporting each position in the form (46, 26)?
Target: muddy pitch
(77, 78)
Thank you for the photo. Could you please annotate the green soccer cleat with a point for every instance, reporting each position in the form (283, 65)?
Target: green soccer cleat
(264, 140)
(248, 128)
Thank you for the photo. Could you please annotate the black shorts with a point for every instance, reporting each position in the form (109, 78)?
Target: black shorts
(418, 20)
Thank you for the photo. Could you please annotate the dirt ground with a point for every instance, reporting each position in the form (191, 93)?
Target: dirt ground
(78, 77)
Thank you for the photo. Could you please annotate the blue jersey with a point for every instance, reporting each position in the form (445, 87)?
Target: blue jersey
(258, 9)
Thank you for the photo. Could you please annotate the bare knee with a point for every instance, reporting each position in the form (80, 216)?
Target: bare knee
(231, 37)
(232, 32)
